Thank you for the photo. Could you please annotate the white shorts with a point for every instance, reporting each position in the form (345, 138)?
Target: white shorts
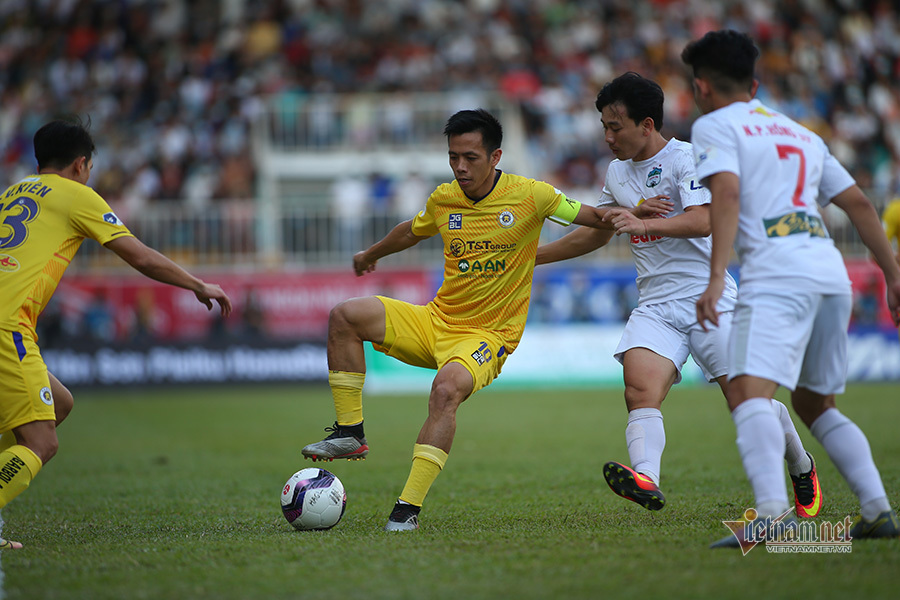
(796, 339)
(670, 329)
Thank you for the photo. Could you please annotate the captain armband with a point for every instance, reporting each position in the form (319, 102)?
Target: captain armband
(566, 211)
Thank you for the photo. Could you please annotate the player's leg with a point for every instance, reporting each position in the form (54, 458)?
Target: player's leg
(350, 323)
(63, 401)
(823, 375)
(469, 361)
(709, 349)
(652, 351)
(26, 416)
(452, 385)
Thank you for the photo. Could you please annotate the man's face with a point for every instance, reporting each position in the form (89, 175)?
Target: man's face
(626, 138)
(472, 166)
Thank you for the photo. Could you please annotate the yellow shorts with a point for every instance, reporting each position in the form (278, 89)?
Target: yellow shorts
(24, 385)
(416, 335)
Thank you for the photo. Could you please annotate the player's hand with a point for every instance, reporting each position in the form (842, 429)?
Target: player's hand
(706, 305)
(362, 264)
(624, 221)
(210, 292)
(893, 299)
(656, 206)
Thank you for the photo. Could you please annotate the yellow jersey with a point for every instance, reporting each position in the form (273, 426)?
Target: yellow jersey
(43, 220)
(489, 251)
(891, 220)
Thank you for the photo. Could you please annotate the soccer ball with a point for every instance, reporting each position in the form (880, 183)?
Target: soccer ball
(313, 499)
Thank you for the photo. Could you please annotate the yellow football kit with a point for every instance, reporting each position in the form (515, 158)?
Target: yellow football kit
(43, 221)
(891, 220)
(479, 313)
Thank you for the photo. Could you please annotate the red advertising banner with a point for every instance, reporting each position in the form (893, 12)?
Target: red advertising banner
(273, 305)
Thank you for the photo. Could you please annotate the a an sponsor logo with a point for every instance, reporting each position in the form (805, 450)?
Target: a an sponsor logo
(112, 219)
(8, 264)
(795, 222)
(506, 218)
(455, 221)
(654, 176)
(484, 268)
(46, 396)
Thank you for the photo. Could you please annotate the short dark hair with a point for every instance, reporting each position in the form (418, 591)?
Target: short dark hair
(467, 121)
(641, 97)
(726, 58)
(60, 142)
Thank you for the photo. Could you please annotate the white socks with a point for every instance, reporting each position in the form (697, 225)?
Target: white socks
(794, 453)
(645, 436)
(848, 449)
(761, 443)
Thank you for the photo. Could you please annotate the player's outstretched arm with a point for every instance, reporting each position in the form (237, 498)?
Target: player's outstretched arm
(694, 222)
(398, 239)
(865, 219)
(157, 266)
(577, 243)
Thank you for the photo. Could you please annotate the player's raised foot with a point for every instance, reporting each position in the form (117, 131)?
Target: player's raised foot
(9, 545)
(339, 444)
(633, 486)
(748, 533)
(885, 525)
(807, 493)
(404, 517)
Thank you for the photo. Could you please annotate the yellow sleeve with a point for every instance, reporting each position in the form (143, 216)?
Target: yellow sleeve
(424, 223)
(92, 217)
(555, 205)
(891, 220)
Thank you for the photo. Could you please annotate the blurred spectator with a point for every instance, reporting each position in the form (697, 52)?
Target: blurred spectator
(412, 193)
(99, 322)
(350, 208)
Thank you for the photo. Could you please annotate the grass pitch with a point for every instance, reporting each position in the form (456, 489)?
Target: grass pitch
(174, 493)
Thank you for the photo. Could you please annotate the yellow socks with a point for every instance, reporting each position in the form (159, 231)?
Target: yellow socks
(346, 389)
(18, 466)
(426, 466)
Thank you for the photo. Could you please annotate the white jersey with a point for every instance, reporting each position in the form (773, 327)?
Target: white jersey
(786, 173)
(668, 268)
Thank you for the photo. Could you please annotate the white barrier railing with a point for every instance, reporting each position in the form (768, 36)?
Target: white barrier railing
(230, 235)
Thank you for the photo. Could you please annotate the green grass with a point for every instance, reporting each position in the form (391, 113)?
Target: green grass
(174, 494)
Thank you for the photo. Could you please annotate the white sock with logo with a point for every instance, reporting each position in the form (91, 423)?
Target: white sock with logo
(849, 450)
(645, 436)
(794, 453)
(760, 441)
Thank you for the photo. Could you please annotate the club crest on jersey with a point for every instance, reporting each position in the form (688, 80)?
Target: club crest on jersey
(455, 221)
(654, 176)
(8, 264)
(46, 396)
(506, 219)
(112, 219)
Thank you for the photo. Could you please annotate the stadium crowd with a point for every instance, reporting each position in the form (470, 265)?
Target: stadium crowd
(172, 87)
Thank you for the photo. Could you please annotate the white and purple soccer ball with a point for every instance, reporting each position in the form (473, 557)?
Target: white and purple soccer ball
(313, 499)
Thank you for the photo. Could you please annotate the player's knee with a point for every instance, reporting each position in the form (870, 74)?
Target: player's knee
(641, 397)
(39, 437)
(445, 396)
